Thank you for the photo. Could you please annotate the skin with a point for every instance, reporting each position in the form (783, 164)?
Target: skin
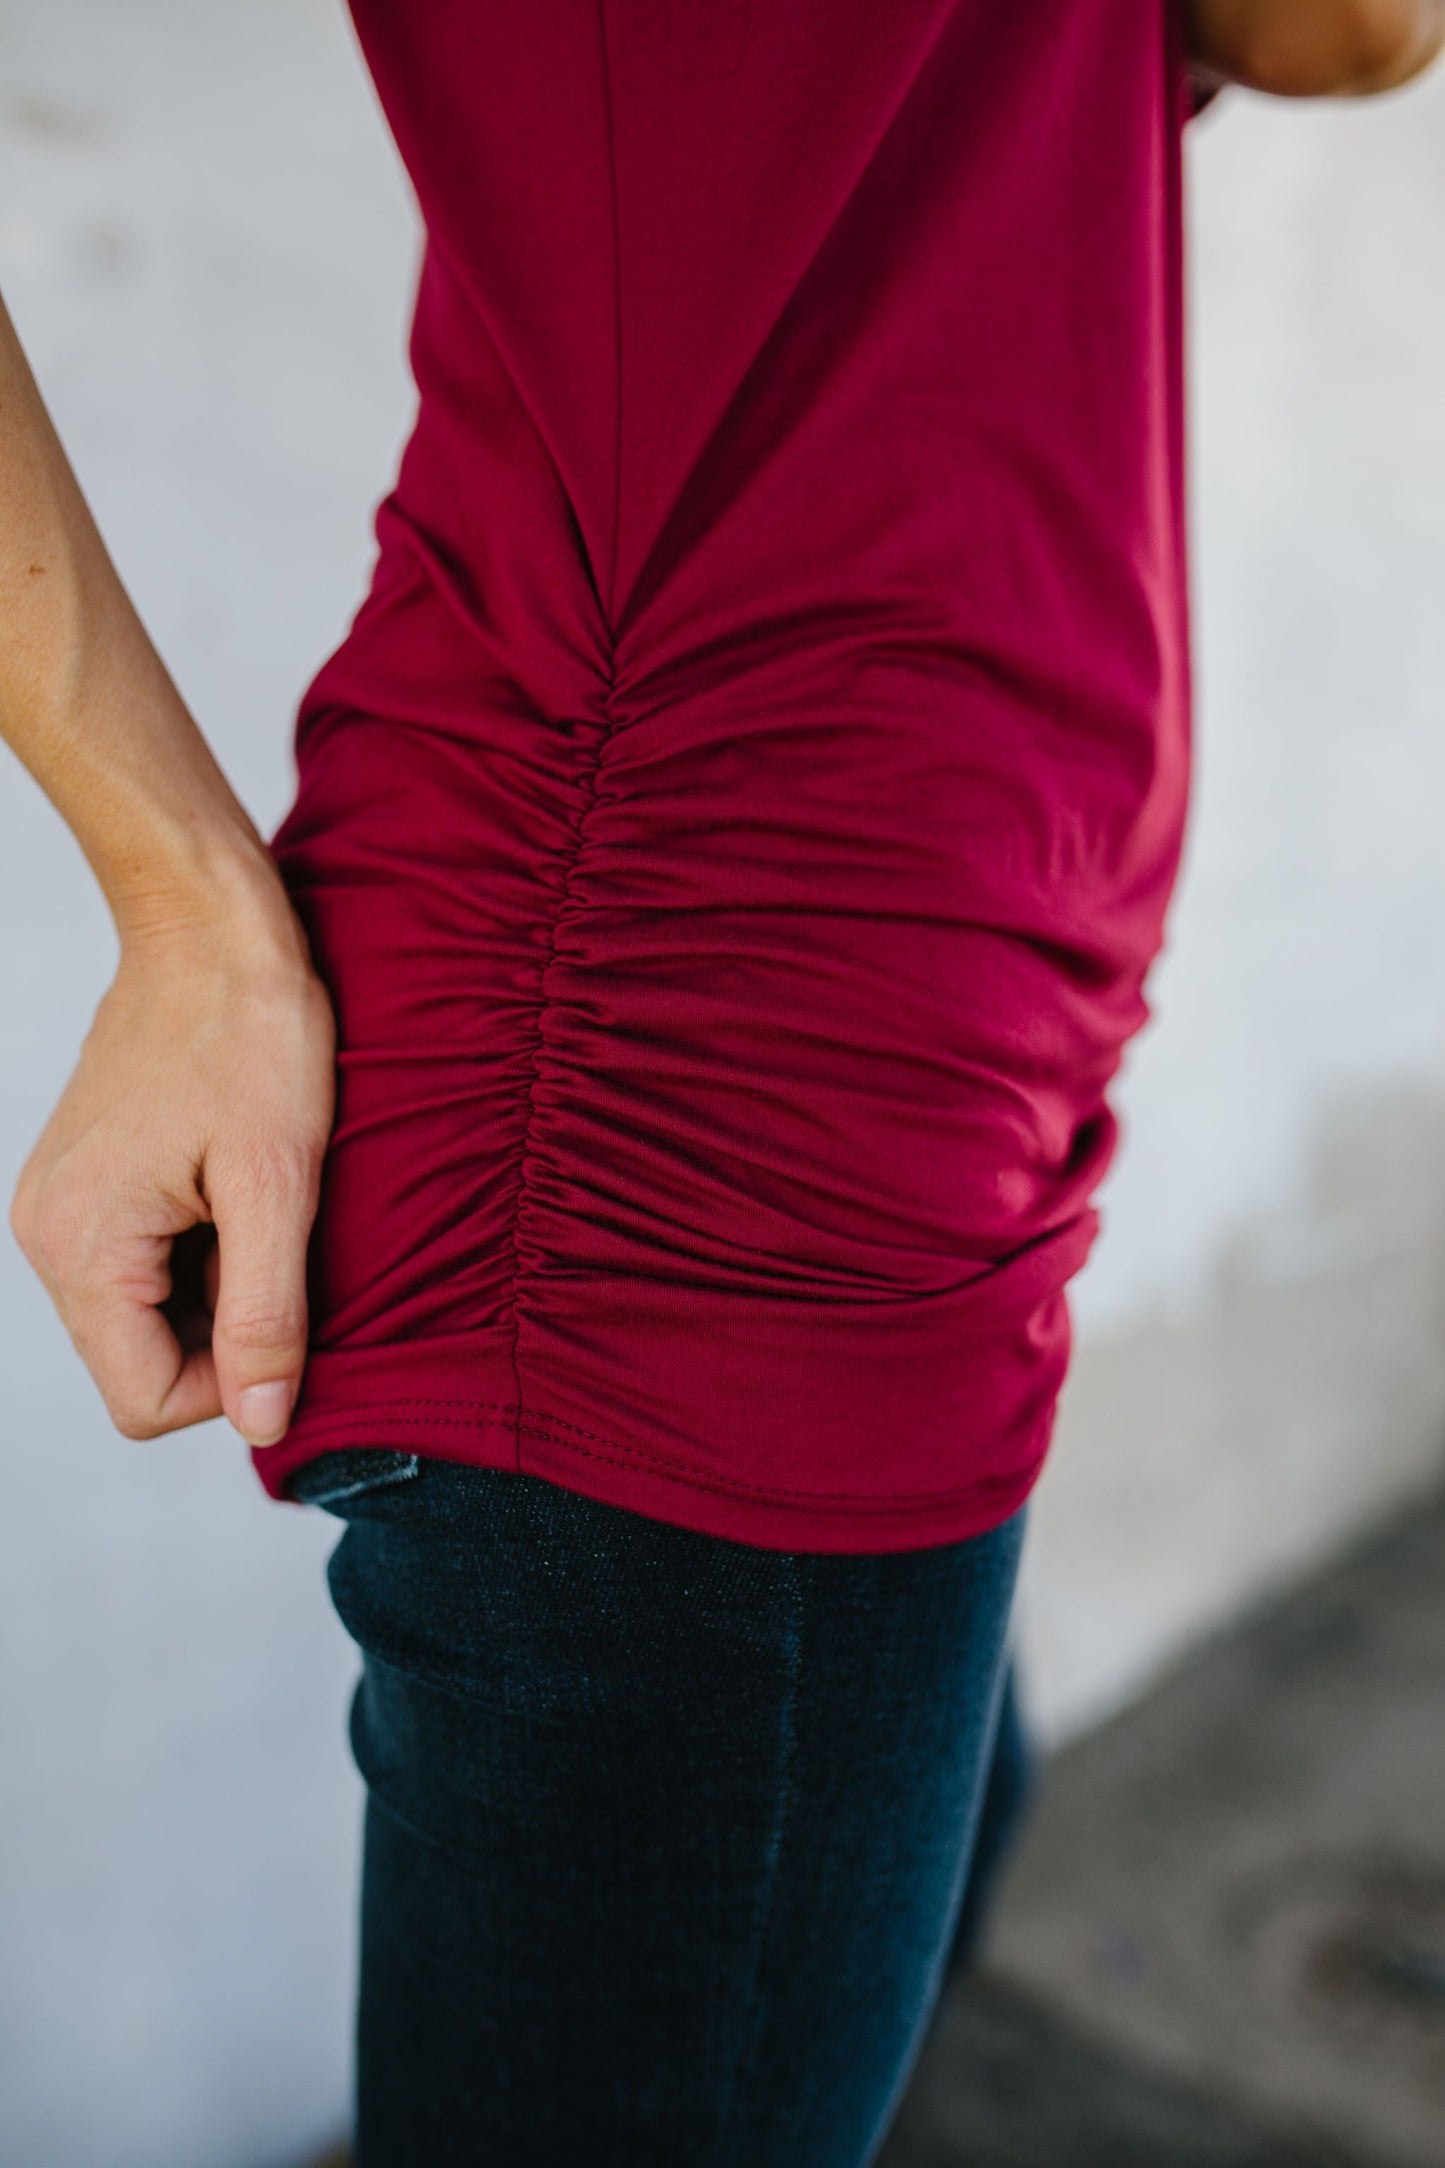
(168, 1202)
(1316, 48)
(202, 1100)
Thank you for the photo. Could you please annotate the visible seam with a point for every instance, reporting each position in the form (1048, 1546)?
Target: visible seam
(800, 1501)
(908, 2062)
(604, 735)
(947, 15)
(376, 1415)
(532, 1081)
(767, 1903)
(616, 316)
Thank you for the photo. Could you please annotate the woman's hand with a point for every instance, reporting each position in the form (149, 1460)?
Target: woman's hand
(168, 1202)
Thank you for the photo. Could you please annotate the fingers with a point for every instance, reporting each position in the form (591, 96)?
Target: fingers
(107, 1274)
(106, 1262)
(149, 1383)
(167, 1205)
(263, 1202)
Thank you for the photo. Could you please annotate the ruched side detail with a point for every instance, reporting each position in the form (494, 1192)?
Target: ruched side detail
(739, 822)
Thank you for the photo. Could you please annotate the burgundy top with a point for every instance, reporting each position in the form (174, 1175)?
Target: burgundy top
(738, 822)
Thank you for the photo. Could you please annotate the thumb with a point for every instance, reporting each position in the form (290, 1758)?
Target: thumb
(263, 1213)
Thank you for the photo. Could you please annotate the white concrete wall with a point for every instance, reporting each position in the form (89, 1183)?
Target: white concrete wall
(206, 245)
(1261, 1367)
(208, 250)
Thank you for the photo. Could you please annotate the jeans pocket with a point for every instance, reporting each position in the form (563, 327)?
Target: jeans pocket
(348, 1472)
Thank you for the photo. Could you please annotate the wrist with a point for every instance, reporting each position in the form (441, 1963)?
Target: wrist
(129, 771)
(217, 886)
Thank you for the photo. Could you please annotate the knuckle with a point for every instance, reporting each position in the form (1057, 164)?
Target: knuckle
(132, 1414)
(135, 1422)
(261, 1326)
(58, 1233)
(285, 1160)
(22, 1219)
(282, 1169)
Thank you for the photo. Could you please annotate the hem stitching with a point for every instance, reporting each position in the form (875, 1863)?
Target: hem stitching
(374, 1414)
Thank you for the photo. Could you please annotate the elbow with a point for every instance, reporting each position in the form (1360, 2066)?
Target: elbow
(1338, 48)
(1390, 44)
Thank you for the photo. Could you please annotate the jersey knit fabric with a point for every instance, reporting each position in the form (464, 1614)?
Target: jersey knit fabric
(738, 821)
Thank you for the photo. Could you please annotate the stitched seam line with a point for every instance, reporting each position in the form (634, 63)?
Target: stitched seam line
(603, 739)
(609, 123)
(767, 1909)
(374, 1415)
(795, 1501)
(544, 1003)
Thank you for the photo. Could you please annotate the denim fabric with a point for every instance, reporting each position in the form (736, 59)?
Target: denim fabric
(667, 1836)
(1008, 1797)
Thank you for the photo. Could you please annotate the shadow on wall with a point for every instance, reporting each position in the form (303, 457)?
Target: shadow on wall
(1205, 1460)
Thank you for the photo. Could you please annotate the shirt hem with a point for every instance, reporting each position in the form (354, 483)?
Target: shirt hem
(494, 1434)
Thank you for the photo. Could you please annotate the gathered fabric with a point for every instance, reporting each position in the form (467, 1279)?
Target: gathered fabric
(739, 820)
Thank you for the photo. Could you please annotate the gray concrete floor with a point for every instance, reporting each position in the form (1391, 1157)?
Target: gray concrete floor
(1222, 1940)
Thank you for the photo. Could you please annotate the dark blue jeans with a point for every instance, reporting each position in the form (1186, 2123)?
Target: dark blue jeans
(667, 1837)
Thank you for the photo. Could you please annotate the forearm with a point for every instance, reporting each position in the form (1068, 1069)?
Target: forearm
(1317, 48)
(88, 705)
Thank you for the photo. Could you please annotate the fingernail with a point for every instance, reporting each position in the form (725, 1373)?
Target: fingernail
(264, 1411)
